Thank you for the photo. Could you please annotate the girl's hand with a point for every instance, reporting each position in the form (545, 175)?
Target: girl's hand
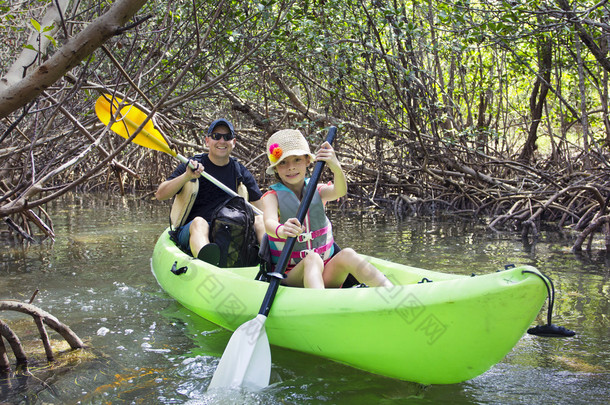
(338, 187)
(290, 229)
(326, 153)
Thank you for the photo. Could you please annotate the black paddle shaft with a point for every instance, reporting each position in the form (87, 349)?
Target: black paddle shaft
(280, 268)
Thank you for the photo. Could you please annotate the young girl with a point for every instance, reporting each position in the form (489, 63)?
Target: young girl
(312, 263)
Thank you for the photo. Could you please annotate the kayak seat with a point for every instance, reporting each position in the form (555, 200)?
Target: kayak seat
(173, 236)
(265, 266)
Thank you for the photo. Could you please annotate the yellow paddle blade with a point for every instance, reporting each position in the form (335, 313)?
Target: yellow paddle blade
(128, 120)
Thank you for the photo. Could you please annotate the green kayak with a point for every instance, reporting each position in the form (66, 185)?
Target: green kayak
(431, 328)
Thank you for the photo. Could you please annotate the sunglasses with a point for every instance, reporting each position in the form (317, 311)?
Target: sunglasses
(216, 136)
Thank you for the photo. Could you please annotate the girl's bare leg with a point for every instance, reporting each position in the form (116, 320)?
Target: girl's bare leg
(348, 261)
(307, 273)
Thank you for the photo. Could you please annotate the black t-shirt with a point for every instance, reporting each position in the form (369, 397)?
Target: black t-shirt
(211, 196)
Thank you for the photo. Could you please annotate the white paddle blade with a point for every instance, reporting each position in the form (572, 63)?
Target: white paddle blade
(246, 361)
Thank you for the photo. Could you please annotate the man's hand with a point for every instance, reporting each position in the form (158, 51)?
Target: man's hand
(196, 172)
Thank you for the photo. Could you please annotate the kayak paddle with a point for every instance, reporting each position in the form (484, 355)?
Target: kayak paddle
(130, 118)
(246, 361)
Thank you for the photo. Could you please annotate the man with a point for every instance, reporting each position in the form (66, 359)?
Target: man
(195, 234)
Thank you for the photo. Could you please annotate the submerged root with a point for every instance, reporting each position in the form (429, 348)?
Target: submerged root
(41, 318)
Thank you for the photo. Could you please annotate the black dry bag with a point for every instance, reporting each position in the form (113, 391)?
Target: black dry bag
(232, 229)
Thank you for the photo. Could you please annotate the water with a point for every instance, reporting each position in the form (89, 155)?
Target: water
(145, 348)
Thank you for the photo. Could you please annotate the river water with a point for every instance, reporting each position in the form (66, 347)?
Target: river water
(144, 348)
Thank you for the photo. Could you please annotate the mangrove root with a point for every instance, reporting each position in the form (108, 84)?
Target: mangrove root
(41, 318)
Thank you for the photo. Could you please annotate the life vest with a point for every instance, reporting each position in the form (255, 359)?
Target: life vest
(318, 235)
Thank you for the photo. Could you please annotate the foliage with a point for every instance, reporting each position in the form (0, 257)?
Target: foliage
(410, 83)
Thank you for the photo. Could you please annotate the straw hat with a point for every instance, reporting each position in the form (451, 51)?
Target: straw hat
(284, 143)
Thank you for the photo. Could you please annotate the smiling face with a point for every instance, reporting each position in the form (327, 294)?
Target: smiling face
(292, 171)
(220, 149)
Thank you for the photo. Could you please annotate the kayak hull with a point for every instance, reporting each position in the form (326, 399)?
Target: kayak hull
(446, 331)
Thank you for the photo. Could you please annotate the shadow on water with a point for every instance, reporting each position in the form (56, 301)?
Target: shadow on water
(145, 348)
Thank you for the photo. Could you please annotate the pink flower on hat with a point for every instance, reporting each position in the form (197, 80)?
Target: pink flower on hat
(275, 152)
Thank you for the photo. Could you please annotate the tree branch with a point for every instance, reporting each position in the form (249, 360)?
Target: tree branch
(68, 56)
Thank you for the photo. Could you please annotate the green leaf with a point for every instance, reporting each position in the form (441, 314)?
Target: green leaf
(50, 38)
(35, 24)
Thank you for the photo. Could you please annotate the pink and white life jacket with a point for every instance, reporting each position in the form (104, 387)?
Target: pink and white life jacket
(318, 235)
